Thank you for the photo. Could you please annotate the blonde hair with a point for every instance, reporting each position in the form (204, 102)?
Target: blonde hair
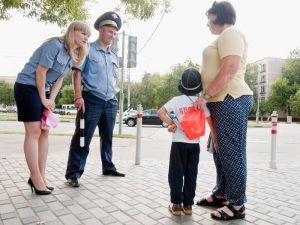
(77, 54)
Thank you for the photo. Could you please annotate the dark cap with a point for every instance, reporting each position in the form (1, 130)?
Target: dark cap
(110, 19)
(190, 83)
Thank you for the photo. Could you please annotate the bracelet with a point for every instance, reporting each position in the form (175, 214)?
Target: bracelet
(205, 96)
(75, 99)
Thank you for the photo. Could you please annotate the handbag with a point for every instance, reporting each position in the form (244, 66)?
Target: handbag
(193, 123)
(49, 119)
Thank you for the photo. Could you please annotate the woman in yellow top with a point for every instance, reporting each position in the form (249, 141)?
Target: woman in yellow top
(229, 100)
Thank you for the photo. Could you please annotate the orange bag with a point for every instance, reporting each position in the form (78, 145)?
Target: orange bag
(193, 123)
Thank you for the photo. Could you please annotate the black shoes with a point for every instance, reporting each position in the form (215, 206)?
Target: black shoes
(73, 182)
(50, 188)
(113, 173)
(36, 191)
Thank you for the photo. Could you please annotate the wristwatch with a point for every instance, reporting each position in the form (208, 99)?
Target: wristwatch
(205, 96)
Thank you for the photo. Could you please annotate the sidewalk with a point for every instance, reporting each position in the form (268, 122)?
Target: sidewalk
(142, 197)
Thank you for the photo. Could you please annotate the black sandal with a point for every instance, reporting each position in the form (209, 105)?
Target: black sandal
(216, 202)
(237, 214)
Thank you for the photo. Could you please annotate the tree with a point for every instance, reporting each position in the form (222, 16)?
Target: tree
(295, 103)
(53, 11)
(291, 70)
(144, 9)
(63, 12)
(251, 76)
(6, 93)
(67, 95)
(281, 91)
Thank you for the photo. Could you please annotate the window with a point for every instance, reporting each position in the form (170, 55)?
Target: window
(263, 68)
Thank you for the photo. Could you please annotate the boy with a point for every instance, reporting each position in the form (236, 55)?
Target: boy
(184, 156)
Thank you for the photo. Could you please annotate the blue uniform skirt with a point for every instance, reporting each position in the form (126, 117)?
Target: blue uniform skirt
(230, 120)
(28, 102)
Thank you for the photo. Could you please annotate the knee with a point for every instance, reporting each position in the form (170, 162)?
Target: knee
(44, 134)
(33, 133)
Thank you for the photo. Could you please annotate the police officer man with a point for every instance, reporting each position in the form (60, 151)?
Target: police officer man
(97, 98)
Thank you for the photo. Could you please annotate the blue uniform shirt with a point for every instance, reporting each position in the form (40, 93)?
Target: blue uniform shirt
(51, 54)
(100, 72)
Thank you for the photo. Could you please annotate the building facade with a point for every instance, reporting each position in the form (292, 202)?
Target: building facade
(268, 70)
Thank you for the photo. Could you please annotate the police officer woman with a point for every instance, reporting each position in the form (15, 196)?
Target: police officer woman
(36, 88)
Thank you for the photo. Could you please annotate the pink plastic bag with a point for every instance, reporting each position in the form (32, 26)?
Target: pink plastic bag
(49, 119)
(193, 123)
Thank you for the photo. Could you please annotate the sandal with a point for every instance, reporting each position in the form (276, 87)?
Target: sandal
(237, 214)
(216, 202)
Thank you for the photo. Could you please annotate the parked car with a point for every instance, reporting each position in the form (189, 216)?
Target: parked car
(68, 109)
(149, 118)
(11, 109)
(129, 112)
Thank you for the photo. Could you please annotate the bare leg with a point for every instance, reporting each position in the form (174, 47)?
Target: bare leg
(31, 150)
(43, 152)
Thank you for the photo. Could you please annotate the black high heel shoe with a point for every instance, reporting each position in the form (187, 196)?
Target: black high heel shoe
(50, 188)
(38, 192)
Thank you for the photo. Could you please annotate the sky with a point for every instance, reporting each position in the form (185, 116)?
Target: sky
(272, 29)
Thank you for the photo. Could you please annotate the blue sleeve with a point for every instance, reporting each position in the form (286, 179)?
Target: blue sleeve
(80, 67)
(49, 51)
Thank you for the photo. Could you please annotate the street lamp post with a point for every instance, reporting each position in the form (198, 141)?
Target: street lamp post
(258, 101)
(258, 95)
(122, 82)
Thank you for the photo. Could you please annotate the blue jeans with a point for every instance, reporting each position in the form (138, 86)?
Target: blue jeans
(97, 113)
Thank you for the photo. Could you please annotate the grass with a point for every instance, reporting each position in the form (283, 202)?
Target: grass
(13, 117)
(258, 124)
(130, 136)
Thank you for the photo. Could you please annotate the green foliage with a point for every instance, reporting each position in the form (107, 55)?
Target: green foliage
(67, 81)
(6, 93)
(67, 95)
(144, 9)
(281, 91)
(155, 90)
(295, 103)
(267, 107)
(251, 77)
(53, 11)
(62, 12)
(291, 71)
(284, 91)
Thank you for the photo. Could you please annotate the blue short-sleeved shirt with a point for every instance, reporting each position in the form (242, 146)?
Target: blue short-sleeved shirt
(51, 54)
(100, 72)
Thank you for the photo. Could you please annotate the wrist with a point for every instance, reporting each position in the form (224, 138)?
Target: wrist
(205, 96)
(171, 124)
(79, 97)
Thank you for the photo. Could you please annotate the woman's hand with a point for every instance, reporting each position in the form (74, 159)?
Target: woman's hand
(200, 102)
(79, 103)
(48, 104)
(216, 147)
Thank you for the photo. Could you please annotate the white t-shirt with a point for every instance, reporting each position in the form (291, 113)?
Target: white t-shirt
(179, 105)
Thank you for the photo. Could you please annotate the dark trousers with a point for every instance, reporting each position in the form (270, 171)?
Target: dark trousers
(183, 169)
(97, 113)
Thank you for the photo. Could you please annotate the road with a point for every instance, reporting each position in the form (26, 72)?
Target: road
(156, 142)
